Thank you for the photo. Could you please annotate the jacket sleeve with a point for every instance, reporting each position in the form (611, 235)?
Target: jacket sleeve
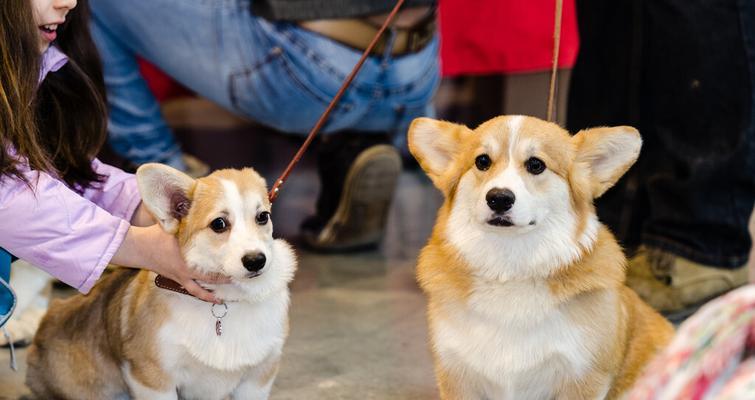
(118, 195)
(59, 231)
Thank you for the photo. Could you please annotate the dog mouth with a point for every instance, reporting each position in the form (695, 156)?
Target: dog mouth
(505, 221)
(500, 221)
(253, 275)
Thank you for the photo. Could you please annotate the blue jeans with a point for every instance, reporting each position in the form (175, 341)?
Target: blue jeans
(275, 73)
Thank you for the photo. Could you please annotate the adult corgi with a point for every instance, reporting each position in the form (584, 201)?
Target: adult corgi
(526, 294)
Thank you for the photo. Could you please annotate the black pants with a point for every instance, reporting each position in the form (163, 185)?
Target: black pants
(683, 73)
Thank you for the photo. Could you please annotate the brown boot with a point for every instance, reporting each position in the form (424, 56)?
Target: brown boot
(676, 286)
(358, 175)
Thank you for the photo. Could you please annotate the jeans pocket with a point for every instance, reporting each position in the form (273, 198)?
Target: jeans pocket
(275, 94)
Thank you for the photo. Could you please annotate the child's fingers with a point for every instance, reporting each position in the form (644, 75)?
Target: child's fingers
(212, 277)
(200, 292)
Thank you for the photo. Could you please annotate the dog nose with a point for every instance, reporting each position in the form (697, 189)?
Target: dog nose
(254, 261)
(500, 200)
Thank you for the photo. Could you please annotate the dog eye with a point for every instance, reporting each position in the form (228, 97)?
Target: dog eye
(534, 165)
(219, 225)
(263, 217)
(482, 162)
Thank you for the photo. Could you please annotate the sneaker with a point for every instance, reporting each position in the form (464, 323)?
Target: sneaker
(676, 286)
(358, 218)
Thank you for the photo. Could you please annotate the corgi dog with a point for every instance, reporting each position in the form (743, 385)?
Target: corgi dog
(526, 294)
(129, 338)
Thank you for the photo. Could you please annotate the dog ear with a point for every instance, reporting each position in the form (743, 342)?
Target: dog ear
(165, 192)
(607, 153)
(434, 144)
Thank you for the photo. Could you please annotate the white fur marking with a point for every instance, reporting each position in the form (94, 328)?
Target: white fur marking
(515, 337)
(515, 124)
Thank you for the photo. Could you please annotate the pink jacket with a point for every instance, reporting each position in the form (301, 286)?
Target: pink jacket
(71, 236)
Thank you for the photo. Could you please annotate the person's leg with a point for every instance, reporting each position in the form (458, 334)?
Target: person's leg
(698, 105)
(186, 39)
(611, 35)
(358, 167)
(136, 128)
(278, 74)
(358, 172)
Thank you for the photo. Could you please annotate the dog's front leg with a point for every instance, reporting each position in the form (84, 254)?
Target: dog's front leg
(149, 384)
(457, 384)
(252, 390)
(258, 382)
(593, 386)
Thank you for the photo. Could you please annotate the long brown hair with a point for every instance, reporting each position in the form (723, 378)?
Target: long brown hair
(60, 125)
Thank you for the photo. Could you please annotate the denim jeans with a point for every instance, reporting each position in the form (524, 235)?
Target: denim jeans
(683, 72)
(275, 73)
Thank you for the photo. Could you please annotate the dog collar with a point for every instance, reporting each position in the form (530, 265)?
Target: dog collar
(169, 284)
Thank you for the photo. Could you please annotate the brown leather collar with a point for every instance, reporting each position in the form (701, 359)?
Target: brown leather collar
(169, 284)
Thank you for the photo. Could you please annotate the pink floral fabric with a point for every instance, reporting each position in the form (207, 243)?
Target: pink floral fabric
(712, 355)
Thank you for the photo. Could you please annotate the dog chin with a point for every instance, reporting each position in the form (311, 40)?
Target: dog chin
(248, 278)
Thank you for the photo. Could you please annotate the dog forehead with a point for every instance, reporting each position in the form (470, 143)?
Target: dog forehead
(235, 188)
(501, 134)
(519, 135)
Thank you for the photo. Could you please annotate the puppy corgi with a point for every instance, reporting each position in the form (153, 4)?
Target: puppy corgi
(130, 339)
(526, 294)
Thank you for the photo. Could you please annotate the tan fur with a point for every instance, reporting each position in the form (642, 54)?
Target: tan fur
(87, 331)
(84, 339)
(580, 288)
(208, 191)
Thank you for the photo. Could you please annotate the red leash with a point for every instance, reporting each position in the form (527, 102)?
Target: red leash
(324, 117)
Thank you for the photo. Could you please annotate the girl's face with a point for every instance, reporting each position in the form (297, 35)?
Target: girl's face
(48, 15)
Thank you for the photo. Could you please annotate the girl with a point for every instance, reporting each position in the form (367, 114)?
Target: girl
(60, 208)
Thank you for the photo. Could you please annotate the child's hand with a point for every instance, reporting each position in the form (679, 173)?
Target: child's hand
(153, 249)
(142, 217)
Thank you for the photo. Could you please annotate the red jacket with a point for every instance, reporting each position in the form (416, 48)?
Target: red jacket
(504, 36)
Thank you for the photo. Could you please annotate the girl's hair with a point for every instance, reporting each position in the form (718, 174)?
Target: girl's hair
(60, 125)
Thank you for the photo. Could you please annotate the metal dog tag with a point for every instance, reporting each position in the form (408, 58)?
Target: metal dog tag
(218, 323)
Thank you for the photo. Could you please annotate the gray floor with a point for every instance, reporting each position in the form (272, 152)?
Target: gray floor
(357, 320)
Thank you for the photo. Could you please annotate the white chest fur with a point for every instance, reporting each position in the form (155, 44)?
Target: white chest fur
(514, 337)
(195, 353)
